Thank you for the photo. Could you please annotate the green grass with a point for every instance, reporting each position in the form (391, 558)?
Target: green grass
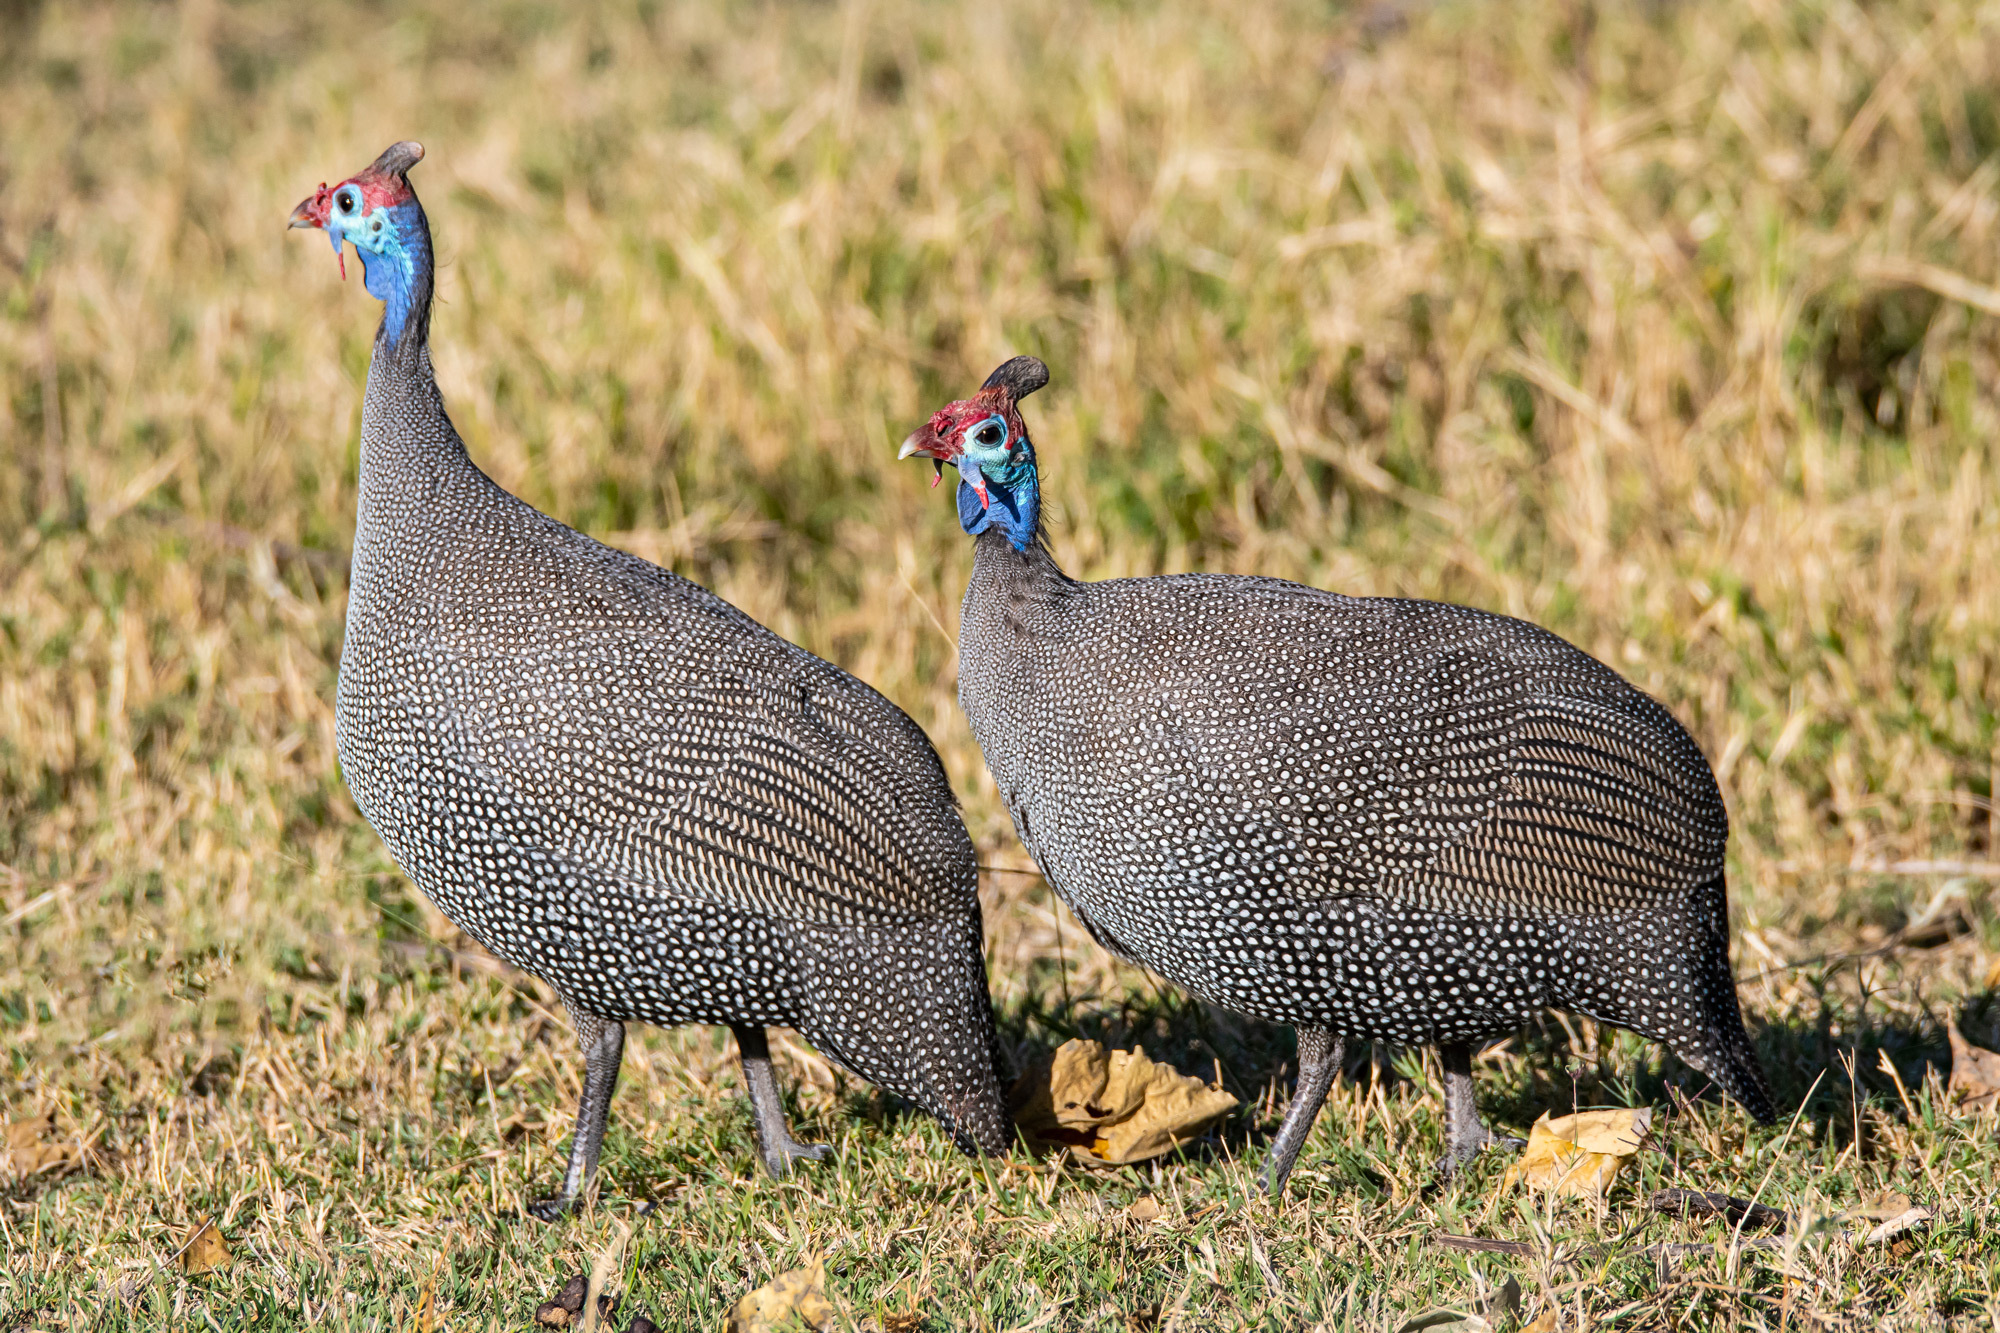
(1675, 328)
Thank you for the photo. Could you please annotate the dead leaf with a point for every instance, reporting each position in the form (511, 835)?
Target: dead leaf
(1545, 1322)
(1580, 1154)
(1879, 1207)
(1975, 1073)
(1145, 1208)
(797, 1294)
(28, 1154)
(205, 1251)
(1114, 1106)
(1908, 1220)
(1445, 1321)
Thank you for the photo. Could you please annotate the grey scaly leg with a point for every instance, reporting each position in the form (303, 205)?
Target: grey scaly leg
(1319, 1061)
(774, 1136)
(1464, 1133)
(603, 1043)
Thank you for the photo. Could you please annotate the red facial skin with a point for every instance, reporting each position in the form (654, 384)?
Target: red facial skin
(378, 190)
(942, 438)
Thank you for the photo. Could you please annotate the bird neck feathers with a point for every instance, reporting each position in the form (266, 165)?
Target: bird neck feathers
(1012, 502)
(398, 274)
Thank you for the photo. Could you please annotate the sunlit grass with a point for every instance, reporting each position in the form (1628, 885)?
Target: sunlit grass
(1674, 328)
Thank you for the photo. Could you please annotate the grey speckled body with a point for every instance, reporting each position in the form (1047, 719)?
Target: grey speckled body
(619, 782)
(1368, 817)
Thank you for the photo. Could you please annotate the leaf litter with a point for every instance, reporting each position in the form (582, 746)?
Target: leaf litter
(30, 1153)
(1114, 1107)
(205, 1250)
(1580, 1154)
(1975, 1073)
(798, 1295)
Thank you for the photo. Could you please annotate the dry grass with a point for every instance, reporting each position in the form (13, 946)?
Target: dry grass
(1671, 327)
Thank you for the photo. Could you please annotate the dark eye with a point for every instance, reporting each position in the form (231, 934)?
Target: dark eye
(990, 434)
(346, 201)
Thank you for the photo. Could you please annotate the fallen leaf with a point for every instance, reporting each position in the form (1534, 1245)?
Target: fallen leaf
(1545, 1322)
(1503, 1304)
(1114, 1106)
(1975, 1072)
(28, 1154)
(205, 1251)
(1580, 1154)
(1879, 1207)
(1908, 1220)
(771, 1307)
(1445, 1321)
(1145, 1208)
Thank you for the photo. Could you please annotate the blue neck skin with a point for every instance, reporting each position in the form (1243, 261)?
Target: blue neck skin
(1014, 491)
(398, 271)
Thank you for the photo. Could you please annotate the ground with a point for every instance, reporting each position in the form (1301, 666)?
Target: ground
(1672, 327)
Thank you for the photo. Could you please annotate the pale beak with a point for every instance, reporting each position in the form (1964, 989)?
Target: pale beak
(921, 441)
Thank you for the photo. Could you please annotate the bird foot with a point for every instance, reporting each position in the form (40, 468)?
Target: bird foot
(789, 1150)
(1459, 1153)
(550, 1210)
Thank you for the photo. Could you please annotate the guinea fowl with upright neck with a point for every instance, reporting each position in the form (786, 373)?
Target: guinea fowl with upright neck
(1365, 817)
(619, 782)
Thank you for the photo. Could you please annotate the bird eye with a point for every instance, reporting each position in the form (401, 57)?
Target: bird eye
(990, 435)
(345, 199)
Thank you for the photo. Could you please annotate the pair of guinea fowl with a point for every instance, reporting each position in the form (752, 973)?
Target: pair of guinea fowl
(1369, 818)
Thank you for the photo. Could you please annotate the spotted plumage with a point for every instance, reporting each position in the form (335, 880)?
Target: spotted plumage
(1367, 817)
(617, 781)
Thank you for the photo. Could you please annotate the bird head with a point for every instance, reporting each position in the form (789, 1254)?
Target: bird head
(985, 439)
(377, 211)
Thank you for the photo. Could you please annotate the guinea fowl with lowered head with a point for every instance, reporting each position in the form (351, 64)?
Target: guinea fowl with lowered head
(617, 781)
(1365, 817)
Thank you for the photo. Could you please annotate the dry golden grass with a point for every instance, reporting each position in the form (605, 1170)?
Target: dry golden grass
(1675, 328)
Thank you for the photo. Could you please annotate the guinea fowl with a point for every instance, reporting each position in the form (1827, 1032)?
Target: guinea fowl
(619, 782)
(1365, 817)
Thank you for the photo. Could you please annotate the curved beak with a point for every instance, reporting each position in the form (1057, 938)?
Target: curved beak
(312, 210)
(315, 210)
(923, 440)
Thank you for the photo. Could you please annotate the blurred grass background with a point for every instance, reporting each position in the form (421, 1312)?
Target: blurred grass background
(1673, 327)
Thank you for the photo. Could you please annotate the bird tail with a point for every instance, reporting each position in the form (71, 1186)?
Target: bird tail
(1666, 975)
(1720, 1046)
(906, 1008)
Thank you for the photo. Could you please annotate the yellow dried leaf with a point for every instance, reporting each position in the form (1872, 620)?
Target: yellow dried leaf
(1115, 1106)
(205, 1251)
(1580, 1154)
(28, 1152)
(1975, 1072)
(1545, 1322)
(1879, 1207)
(1146, 1208)
(788, 1299)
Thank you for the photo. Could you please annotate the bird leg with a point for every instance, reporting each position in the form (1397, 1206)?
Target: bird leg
(774, 1136)
(1319, 1061)
(1464, 1133)
(603, 1043)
